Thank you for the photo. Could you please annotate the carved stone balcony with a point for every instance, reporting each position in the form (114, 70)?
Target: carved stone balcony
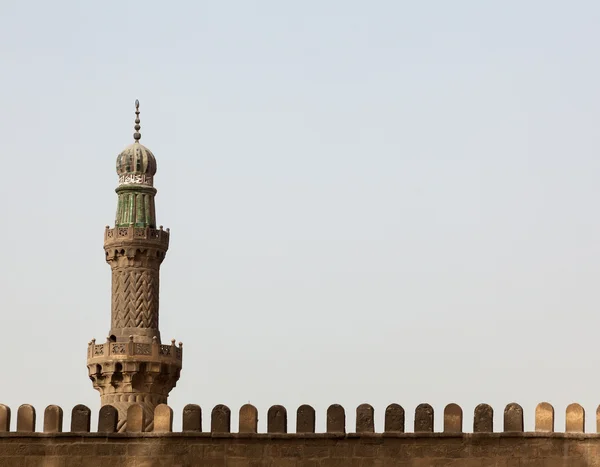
(117, 235)
(134, 372)
(135, 351)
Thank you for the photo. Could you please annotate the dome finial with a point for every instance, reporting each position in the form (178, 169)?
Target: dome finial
(137, 135)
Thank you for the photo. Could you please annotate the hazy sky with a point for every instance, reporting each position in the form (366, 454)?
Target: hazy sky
(383, 201)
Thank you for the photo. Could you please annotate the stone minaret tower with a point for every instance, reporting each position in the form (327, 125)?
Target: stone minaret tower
(133, 366)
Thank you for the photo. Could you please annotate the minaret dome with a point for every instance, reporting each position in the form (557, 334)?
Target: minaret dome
(136, 164)
(136, 167)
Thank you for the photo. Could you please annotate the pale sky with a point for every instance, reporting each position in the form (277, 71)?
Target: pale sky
(383, 201)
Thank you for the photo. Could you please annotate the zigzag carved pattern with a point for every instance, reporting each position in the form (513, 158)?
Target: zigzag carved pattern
(122, 409)
(135, 299)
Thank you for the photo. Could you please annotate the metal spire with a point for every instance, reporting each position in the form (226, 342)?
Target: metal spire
(137, 135)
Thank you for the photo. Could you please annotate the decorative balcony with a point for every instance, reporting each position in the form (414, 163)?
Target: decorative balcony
(118, 234)
(135, 351)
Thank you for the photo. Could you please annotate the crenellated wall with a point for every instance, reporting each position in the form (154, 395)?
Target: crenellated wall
(363, 447)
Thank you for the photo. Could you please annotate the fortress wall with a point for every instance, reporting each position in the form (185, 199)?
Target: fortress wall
(277, 448)
(293, 450)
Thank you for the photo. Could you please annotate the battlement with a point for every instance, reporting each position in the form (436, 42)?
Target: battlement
(117, 235)
(216, 444)
(277, 420)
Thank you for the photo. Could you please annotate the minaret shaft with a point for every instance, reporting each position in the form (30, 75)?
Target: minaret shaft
(134, 303)
(135, 255)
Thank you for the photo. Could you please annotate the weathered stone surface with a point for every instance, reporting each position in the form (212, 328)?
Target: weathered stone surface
(453, 419)
(4, 418)
(394, 419)
(248, 421)
(575, 419)
(305, 419)
(220, 419)
(136, 282)
(336, 419)
(513, 417)
(424, 419)
(281, 450)
(544, 418)
(53, 449)
(277, 419)
(163, 419)
(81, 417)
(108, 418)
(483, 421)
(192, 418)
(136, 419)
(365, 419)
(53, 419)
(26, 418)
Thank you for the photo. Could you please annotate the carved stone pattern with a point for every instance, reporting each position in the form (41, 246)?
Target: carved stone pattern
(122, 409)
(178, 353)
(138, 233)
(165, 350)
(142, 349)
(118, 349)
(99, 349)
(135, 298)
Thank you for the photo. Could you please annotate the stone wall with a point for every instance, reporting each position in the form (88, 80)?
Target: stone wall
(295, 450)
(336, 448)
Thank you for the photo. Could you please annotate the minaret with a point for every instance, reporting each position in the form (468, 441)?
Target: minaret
(133, 366)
